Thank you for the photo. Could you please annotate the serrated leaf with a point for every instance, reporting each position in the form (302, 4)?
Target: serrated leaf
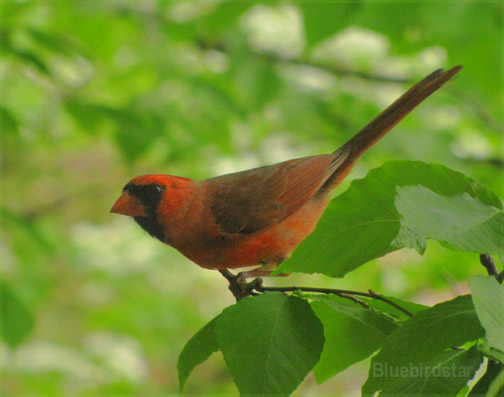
(16, 320)
(352, 333)
(401, 204)
(269, 342)
(424, 336)
(488, 299)
(197, 350)
(446, 374)
(466, 224)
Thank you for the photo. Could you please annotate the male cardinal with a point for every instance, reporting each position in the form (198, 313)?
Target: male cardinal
(258, 216)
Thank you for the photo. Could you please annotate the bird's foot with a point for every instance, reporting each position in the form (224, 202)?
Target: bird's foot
(238, 284)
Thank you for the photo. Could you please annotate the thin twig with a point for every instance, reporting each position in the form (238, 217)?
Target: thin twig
(389, 302)
(241, 289)
(487, 261)
(356, 300)
(340, 292)
(500, 277)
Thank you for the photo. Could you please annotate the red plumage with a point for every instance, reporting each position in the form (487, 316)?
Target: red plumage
(258, 216)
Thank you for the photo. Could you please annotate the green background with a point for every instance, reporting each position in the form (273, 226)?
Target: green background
(94, 93)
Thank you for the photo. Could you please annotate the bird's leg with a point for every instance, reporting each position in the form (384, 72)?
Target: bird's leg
(238, 284)
(227, 274)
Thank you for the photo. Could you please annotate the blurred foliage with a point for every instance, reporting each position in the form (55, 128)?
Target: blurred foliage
(94, 93)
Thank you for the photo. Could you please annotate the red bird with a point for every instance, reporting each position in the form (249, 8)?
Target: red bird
(258, 216)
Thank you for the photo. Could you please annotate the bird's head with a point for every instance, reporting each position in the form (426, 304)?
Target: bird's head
(151, 199)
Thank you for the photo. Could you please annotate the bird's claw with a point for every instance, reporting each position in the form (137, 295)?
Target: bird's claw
(239, 286)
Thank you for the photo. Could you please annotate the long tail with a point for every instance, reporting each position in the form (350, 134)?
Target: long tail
(356, 146)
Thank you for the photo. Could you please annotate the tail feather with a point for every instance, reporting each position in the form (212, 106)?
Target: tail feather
(356, 146)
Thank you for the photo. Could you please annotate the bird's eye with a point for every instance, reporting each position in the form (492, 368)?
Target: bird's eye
(157, 189)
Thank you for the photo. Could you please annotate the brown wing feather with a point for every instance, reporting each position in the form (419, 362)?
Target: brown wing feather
(248, 201)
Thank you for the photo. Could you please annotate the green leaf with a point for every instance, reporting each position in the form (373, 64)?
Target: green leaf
(16, 320)
(269, 342)
(492, 353)
(445, 374)
(467, 223)
(401, 204)
(352, 333)
(423, 337)
(488, 299)
(485, 382)
(497, 386)
(384, 307)
(197, 350)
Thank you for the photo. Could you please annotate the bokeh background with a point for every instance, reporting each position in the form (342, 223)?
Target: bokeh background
(94, 93)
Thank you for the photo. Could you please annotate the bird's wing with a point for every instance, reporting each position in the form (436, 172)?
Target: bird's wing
(248, 201)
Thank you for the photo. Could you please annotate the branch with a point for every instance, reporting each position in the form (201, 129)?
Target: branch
(241, 289)
(340, 292)
(487, 261)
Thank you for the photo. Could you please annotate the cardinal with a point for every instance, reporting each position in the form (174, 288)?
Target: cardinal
(259, 216)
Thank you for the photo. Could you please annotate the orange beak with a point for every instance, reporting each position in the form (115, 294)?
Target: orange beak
(128, 205)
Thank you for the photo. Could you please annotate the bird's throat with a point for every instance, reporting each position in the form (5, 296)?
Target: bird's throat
(151, 226)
